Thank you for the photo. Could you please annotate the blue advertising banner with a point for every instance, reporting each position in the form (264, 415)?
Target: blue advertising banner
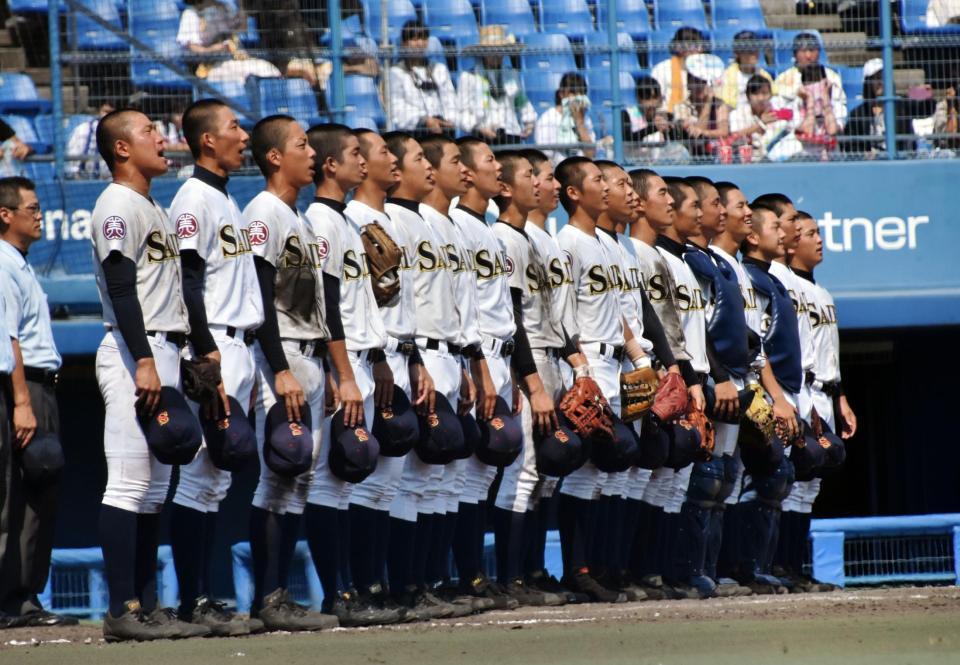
(889, 230)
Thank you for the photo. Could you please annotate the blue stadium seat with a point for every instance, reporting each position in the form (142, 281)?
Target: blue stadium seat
(362, 98)
(516, 16)
(913, 19)
(722, 38)
(398, 13)
(230, 91)
(741, 14)
(90, 36)
(25, 131)
(453, 21)
(44, 126)
(361, 122)
(251, 38)
(601, 96)
(18, 94)
(571, 17)
(678, 13)
(292, 97)
(40, 171)
(783, 47)
(155, 23)
(852, 78)
(599, 60)
(29, 6)
(632, 17)
(547, 52)
(541, 87)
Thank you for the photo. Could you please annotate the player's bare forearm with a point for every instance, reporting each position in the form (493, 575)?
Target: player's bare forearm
(486, 392)
(541, 404)
(24, 420)
(350, 397)
(422, 383)
(383, 382)
(849, 418)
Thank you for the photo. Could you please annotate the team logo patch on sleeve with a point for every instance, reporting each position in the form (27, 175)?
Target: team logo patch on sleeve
(114, 228)
(258, 233)
(323, 247)
(187, 226)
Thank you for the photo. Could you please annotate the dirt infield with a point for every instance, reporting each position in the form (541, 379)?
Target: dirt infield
(875, 626)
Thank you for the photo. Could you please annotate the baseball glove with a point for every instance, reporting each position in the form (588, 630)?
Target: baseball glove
(200, 377)
(587, 409)
(759, 414)
(383, 257)
(637, 391)
(696, 418)
(671, 400)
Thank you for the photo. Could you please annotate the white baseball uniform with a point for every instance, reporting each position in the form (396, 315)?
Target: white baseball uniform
(127, 222)
(209, 222)
(342, 256)
(281, 236)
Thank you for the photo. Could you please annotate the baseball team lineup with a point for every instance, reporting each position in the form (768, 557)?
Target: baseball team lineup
(660, 378)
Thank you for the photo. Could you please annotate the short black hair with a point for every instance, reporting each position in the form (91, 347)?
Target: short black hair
(699, 183)
(535, 157)
(805, 40)
(724, 187)
(641, 180)
(509, 160)
(570, 174)
(686, 36)
(10, 191)
(199, 119)
(775, 202)
(433, 148)
(803, 214)
(648, 87)
(757, 83)
(268, 134)
(362, 133)
(414, 29)
(467, 145)
(571, 81)
(756, 208)
(746, 41)
(678, 189)
(396, 143)
(328, 140)
(111, 128)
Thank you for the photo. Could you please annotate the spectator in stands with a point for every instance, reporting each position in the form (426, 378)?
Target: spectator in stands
(647, 122)
(703, 117)
(943, 12)
(767, 122)
(568, 121)
(790, 84)
(170, 127)
(491, 100)
(818, 128)
(867, 123)
(946, 119)
(746, 58)
(670, 73)
(83, 143)
(12, 150)
(212, 27)
(423, 100)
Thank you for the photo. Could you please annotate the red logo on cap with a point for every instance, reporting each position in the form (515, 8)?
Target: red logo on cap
(497, 424)
(561, 436)
(824, 442)
(114, 228)
(433, 420)
(163, 418)
(258, 233)
(187, 226)
(386, 414)
(223, 424)
(361, 434)
(295, 429)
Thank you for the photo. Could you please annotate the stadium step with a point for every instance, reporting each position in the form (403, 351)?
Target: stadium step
(791, 21)
(12, 58)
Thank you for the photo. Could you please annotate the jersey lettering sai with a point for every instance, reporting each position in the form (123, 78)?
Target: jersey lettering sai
(661, 292)
(826, 335)
(596, 306)
(342, 256)
(630, 286)
(125, 221)
(801, 307)
(282, 237)
(208, 221)
(690, 303)
(556, 268)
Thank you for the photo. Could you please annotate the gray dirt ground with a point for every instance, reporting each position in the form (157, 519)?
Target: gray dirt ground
(869, 626)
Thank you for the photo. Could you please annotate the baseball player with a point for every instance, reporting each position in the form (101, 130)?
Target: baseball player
(370, 500)
(223, 302)
(288, 354)
(824, 390)
(764, 488)
(29, 505)
(360, 367)
(529, 292)
(137, 262)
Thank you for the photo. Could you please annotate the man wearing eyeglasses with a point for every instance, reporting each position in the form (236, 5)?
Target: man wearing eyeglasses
(30, 501)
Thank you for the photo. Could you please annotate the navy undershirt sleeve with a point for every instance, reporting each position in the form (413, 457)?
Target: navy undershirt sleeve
(193, 269)
(268, 334)
(331, 296)
(653, 330)
(120, 274)
(522, 359)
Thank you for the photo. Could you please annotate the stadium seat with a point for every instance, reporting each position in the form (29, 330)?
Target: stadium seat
(25, 131)
(362, 98)
(678, 13)
(362, 122)
(155, 23)
(40, 172)
(398, 13)
(547, 52)
(783, 47)
(852, 78)
(541, 87)
(292, 97)
(599, 60)
(453, 21)
(571, 17)
(250, 38)
(601, 97)
(90, 36)
(18, 94)
(234, 92)
(632, 17)
(29, 6)
(913, 19)
(44, 126)
(516, 16)
(740, 14)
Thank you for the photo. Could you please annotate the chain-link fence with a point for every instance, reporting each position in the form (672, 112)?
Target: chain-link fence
(656, 81)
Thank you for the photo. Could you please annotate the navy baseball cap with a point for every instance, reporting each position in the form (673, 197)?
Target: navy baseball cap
(684, 444)
(42, 459)
(710, 397)
(231, 442)
(807, 456)
(561, 452)
(501, 437)
(287, 446)
(761, 456)
(654, 446)
(834, 448)
(618, 452)
(173, 433)
(471, 434)
(396, 427)
(353, 450)
(441, 436)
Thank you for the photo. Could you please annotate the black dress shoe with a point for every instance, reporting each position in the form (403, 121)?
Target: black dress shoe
(44, 618)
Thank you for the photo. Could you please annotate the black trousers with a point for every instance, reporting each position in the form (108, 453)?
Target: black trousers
(29, 512)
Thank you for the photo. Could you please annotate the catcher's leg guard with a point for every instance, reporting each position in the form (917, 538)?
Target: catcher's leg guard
(731, 474)
(706, 480)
